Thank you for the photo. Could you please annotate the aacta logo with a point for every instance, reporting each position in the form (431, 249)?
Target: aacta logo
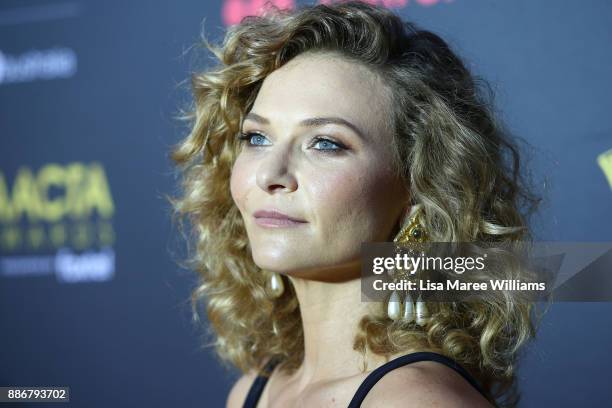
(234, 10)
(57, 206)
(57, 221)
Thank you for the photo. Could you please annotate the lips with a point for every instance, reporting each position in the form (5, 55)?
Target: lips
(274, 218)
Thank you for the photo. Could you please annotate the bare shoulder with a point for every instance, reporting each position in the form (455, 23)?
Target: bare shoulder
(425, 383)
(238, 393)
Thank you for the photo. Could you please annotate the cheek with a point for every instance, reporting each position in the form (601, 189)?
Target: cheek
(357, 201)
(335, 192)
(239, 183)
(340, 195)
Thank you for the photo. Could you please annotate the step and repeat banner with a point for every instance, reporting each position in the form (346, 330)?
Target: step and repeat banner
(91, 293)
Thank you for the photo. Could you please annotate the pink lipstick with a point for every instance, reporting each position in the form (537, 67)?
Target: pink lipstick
(276, 219)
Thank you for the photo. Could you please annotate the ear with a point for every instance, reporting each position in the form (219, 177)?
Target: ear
(406, 214)
(409, 212)
(403, 217)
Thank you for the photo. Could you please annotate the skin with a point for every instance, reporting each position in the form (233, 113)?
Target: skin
(345, 197)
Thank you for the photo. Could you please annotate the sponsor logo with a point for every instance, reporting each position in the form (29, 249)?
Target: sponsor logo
(605, 162)
(66, 210)
(37, 65)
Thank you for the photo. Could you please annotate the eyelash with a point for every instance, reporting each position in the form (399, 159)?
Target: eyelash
(246, 137)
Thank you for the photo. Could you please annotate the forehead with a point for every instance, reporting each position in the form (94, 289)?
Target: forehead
(324, 85)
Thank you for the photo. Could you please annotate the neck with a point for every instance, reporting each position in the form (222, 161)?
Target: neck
(330, 317)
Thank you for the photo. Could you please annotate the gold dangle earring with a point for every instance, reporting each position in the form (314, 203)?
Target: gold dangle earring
(412, 232)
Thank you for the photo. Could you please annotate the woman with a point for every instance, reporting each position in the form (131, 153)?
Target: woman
(323, 128)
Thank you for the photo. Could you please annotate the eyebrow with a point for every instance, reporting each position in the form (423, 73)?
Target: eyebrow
(312, 122)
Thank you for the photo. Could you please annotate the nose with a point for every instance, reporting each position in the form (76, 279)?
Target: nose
(274, 172)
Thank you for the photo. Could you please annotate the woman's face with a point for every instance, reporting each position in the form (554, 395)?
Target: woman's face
(334, 174)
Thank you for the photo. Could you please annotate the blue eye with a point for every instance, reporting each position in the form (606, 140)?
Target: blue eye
(327, 144)
(251, 136)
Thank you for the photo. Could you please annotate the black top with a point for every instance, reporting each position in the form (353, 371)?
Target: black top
(260, 382)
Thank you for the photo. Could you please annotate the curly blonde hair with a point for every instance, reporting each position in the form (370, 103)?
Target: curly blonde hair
(456, 157)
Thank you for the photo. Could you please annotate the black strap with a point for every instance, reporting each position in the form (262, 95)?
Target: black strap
(378, 373)
(260, 382)
(258, 385)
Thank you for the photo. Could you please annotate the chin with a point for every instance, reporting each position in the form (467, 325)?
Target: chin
(274, 263)
(285, 266)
